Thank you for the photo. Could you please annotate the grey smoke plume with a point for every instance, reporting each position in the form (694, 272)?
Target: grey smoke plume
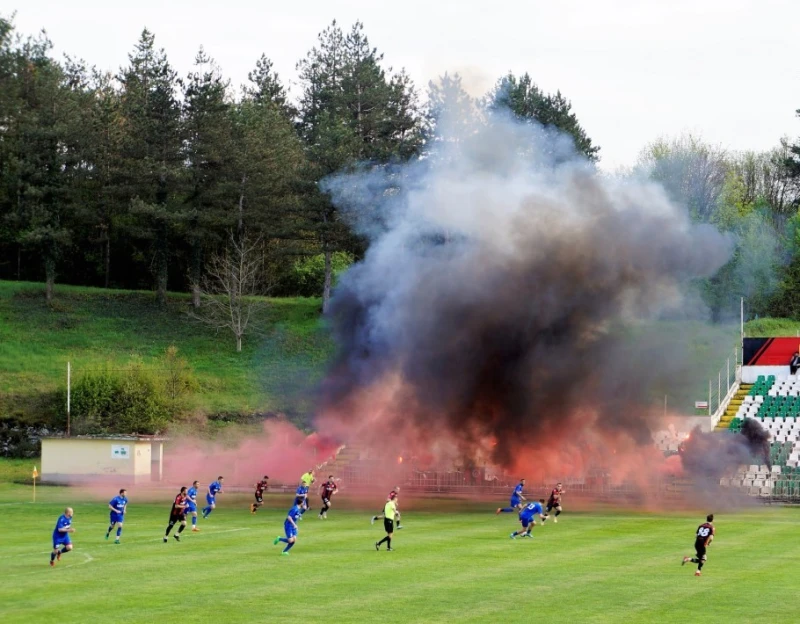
(714, 454)
(498, 271)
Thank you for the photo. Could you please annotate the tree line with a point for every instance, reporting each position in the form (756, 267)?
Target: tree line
(136, 178)
(140, 178)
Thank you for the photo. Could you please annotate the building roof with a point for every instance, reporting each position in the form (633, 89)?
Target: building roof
(115, 438)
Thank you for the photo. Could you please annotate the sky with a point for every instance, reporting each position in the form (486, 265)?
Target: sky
(635, 70)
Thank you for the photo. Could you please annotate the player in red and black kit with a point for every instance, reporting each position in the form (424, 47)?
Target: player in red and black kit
(327, 491)
(261, 487)
(177, 514)
(554, 502)
(702, 539)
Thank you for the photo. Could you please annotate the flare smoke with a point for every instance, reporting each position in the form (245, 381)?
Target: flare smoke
(490, 307)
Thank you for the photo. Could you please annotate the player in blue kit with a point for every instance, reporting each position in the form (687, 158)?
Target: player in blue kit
(290, 526)
(117, 505)
(527, 518)
(191, 504)
(61, 536)
(211, 496)
(302, 493)
(516, 499)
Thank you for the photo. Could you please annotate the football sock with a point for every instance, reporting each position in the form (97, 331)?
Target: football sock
(181, 528)
(388, 542)
(700, 565)
(53, 556)
(169, 528)
(64, 550)
(119, 531)
(507, 510)
(194, 521)
(283, 539)
(288, 546)
(558, 513)
(111, 528)
(206, 511)
(385, 539)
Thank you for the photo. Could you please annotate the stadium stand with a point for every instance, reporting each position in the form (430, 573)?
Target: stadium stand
(775, 403)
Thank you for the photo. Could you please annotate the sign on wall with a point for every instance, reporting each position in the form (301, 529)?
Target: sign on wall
(120, 451)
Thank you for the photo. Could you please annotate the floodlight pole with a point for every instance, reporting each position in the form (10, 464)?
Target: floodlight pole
(69, 380)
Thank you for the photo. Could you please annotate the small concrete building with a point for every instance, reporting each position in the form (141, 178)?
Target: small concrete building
(132, 459)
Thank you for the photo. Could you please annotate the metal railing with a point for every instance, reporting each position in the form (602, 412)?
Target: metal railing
(722, 389)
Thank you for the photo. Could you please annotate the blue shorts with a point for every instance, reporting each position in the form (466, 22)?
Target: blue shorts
(190, 506)
(526, 521)
(61, 540)
(211, 500)
(291, 531)
(116, 517)
(515, 501)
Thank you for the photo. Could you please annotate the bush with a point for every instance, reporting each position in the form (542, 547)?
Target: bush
(107, 402)
(306, 277)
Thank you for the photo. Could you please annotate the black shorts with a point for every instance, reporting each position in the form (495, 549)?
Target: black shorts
(700, 548)
(259, 498)
(388, 525)
(175, 518)
(550, 506)
(326, 501)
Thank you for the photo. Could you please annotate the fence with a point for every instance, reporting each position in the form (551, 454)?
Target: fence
(722, 388)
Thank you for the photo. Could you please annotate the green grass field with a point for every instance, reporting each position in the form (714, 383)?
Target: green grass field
(457, 565)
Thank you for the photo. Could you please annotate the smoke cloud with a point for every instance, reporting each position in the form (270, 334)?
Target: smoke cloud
(712, 455)
(488, 317)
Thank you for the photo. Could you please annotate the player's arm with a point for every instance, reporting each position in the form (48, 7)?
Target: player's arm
(112, 508)
(291, 521)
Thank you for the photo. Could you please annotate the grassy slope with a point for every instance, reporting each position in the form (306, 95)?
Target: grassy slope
(93, 328)
(447, 567)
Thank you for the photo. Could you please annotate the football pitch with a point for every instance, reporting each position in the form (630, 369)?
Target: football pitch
(452, 563)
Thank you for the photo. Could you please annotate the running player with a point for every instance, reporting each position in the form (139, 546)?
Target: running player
(177, 515)
(395, 496)
(302, 493)
(211, 496)
(702, 540)
(290, 526)
(61, 536)
(390, 512)
(554, 502)
(327, 491)
(528, 518)
(516, 499)
(261, 487)
(191, 504)
(117, 505)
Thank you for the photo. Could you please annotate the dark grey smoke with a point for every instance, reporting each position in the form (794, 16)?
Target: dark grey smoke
(712, 455)
(496, 284)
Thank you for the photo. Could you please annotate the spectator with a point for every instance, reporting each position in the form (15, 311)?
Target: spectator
(794, 365)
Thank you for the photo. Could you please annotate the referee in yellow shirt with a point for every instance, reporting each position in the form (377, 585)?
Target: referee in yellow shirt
(390, 513)
(308, 478)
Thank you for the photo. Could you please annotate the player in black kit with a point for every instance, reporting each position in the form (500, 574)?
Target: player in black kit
(702, 539)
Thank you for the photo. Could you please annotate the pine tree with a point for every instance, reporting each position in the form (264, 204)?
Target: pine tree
(206, 153)
(350, 112)
(526, 101)
(266, 86)
(151, 151)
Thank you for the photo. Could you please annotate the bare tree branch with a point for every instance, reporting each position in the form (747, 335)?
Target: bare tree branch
(231, 285)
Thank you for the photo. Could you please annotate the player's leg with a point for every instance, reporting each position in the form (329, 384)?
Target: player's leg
(194, 521)
(290, 542)
(376, 517)
(558, 513)
(172, 521)
(388, 526)
(111, 523)
(177, 535)
(119, 531)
